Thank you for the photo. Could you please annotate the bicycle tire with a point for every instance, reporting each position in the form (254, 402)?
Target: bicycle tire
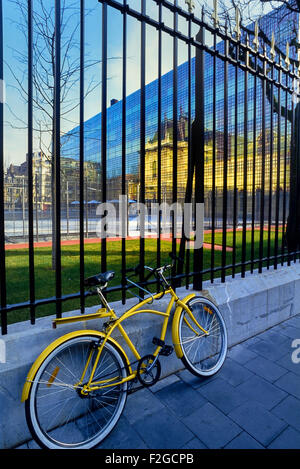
(90, 411)
(203, 363)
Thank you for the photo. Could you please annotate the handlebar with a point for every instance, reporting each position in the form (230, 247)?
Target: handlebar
(158, 271)
(137, 270)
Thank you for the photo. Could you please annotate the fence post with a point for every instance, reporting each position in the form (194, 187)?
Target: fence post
(104, 128)
(2, 227)
(81, 157)
(57, 153)
(198, 146)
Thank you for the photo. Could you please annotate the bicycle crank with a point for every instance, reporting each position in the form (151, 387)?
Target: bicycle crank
(148, 370)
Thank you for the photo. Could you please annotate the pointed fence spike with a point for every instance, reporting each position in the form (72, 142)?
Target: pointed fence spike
(215, 14)
(191, 5)
(287, 57)
(237, 29)
(255, 40)
(272, 51)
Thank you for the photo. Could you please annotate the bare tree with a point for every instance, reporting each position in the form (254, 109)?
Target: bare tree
(44, 74)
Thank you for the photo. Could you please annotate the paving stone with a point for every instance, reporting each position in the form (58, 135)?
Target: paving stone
(181, 398)
(289, 439)
(259, 390)
(234, 373)
(212, 427)
(192, 380)
(252, 340)
(289, 411)
(265, 368)
(164, 382)
(142, 402)
(258, 422)
(223, 395)
(195, 443)
(287, 363)
(291, 332)
(162, 430)
(244, 441)
(273, 337)
(241, 354)
(290, 383)
(269, 350)
(123, 436)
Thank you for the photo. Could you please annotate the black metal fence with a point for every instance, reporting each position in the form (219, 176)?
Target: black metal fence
(234, 156)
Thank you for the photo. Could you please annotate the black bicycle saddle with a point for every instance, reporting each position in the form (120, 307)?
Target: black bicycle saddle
(99, 279)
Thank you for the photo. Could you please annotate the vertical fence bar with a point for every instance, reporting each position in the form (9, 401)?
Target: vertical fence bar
(124, 86)
(36, 208)
(190, 168)
(271, 167)
(245, 184)
(175, 133)
(184, 250)
(142, 144)
(159, 114)
(198, 145)
(254, 168)
(225, 170)
(214, 148)
(2, 225)
(81, 155)
(30, 175)
(292, 134)
(285, 172)
(57, 96)
(263, 165)
(236, 87)
(278, 170)
(104, 129)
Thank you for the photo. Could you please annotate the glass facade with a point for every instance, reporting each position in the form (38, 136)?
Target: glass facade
(244, 140)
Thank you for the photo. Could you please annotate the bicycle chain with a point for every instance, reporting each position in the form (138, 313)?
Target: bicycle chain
(131, 390)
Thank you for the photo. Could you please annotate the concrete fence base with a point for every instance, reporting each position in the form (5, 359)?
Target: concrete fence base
(249, 306)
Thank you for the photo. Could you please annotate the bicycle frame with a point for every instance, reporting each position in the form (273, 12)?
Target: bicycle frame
(116, 323)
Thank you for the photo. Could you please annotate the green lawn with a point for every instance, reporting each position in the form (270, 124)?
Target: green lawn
(18, 270)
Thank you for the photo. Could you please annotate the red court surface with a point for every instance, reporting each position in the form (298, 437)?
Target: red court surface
(73, 242)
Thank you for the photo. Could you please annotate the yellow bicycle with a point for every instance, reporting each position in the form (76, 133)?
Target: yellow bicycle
(76, 390)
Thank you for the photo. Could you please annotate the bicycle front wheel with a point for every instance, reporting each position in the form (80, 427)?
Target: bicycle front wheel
(57, 413)
(203, 354)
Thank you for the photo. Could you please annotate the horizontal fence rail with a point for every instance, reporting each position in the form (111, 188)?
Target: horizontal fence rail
(215, 130)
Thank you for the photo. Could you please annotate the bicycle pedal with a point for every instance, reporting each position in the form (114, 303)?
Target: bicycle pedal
(166, 350)
(159, 342)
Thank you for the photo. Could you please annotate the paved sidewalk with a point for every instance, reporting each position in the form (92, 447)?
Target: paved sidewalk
(252, 403)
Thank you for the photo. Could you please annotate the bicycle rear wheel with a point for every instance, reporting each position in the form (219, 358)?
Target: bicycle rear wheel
(203, 355)
(58, 415)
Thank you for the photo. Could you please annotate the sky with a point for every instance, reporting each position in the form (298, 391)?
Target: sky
(15, 42)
